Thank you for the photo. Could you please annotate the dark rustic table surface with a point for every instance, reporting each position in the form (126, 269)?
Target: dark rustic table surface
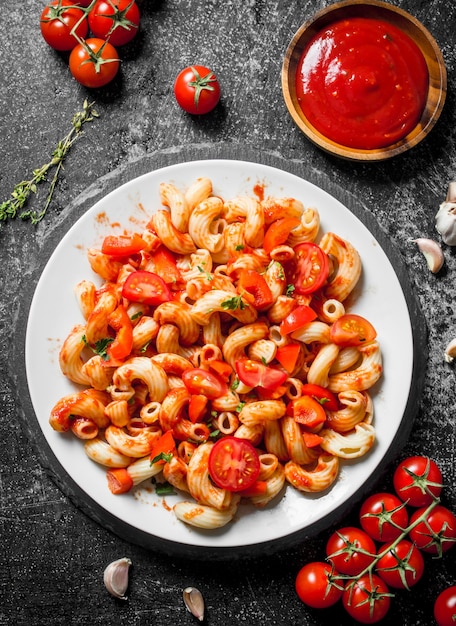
(52, 552)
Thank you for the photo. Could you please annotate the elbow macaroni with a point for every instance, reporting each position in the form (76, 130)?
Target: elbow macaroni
(127, 405)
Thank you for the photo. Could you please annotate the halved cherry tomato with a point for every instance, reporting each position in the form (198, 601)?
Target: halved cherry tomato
(164, 445)
(146, 287)
(309, 269)
(197, 407)
(278, 232)
(201, 382)
(164, 264)
(287, 356)
(300, 316)
(255, 374)
(252, 284)
(352, 330)
(122, 245)
(307, 411)
(119, 480)
(123, 342)
(221, 368)
(325, 397)
(234, 464)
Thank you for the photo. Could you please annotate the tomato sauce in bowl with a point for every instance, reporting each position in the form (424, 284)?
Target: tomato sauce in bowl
(362, 82)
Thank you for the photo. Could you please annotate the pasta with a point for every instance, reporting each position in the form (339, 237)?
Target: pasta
(209, 331)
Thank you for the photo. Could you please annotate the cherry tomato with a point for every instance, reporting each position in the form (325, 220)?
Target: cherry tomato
(254, 287)
(307, 411)
(57, 21)
(418, 481)
(350, 550)
(197, 90)
(325, 397)
(352, 330)
(234, 464)
(367, 600)
(316, 587)
(309, 269)
(94, 63)
(146, 287)
(255, 374)
(82, 3)
(115, 20)
(278, 232)
(297, 319)
(201, 382)
(445, 607)
(122, 245)
(383, 516)
(164, 264)
(402, 566)
(436, 533)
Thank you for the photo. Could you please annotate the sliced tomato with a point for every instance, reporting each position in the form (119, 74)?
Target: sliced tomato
(123, 342)
(255, 374)
(278, 232)
(234, 464)
(164, 264)
(119, 480)
(221, 368)
(352, 330)
(325, 397)
(202, 382)
(146, 287)
(309, 269)
(311, 439)
(163, 446)
(287, 356)
(308, 411)
(271, 394)
(197, 407)
(122, 245)
(257, 489)
(252, 284)
(295, 320)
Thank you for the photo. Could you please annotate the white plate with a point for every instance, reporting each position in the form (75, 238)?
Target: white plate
(54, 311)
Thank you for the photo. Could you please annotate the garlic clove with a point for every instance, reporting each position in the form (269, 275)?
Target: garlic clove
(193, 600)
(116, 577)
(450, 351)
(451, 193)
(432, 252)
(445, 222)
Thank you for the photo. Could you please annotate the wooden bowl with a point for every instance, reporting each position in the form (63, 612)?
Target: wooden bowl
(377, 10)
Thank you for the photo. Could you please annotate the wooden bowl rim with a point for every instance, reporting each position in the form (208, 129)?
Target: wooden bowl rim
(398, 17)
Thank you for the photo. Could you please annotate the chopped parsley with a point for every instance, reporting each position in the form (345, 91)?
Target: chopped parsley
(234, 303)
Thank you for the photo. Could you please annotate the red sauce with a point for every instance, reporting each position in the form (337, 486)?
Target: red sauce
(362, 83)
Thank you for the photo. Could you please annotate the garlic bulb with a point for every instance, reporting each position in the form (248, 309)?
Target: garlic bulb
(116, 577)
(432, 253)
(193, 600)
(445, 220)
(450, 351)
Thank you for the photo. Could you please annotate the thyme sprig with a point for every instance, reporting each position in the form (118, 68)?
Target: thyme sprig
(21, 193)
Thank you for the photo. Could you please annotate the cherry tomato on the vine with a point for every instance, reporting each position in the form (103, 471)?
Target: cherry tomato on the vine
(418, 481)
(436, 533)
(367, 600)
(351, 550)
(56, 22)
(197, 89)
(234, 464)
(383, 516)
(82, 3)
(94, 63)
(402, 566)
(445, 607)
(316, 585)
(115, 20)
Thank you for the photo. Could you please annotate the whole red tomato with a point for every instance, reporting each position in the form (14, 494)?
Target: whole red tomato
(56, 22)
(383, 516)
(115, 20)
(316, 587)
(417, 480)
(436, 533)
(95, 63)
(350, 550)
(402, 566)
(82, 3)
(367, 600)
(445, 607)
(197, 89)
